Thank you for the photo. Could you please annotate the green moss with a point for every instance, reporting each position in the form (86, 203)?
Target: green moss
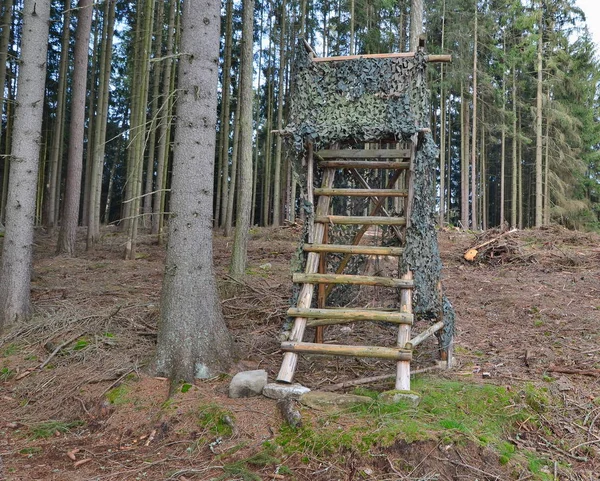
(118, 395)
(217, 420)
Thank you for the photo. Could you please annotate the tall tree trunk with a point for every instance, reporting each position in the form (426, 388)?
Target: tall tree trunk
(351, 27)
(222, 192)
(154, 110)
(268, 149)
(68, 228)
(546, 173)
(474, 131)
(4, 39)
(442, 127)
(520, 198)
(464, 164)
(164, 116)
(539, 194)
(15, 273)
(242, 225)
(503, 136)
(483, 175)
(138, 125)
(514, 209)
(56, 149)
(416, 24)
(9, 130)
(228, 225)
(193, 341)
(93, 231)
(111, 183)
(280, 100)
(92, 106)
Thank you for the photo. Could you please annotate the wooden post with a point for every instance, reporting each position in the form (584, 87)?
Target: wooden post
(403, 367)
(322, 295)
(290, 359)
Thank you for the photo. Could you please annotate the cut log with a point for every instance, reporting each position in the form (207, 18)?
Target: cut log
(363, 164)
(346, 249)
(360, 220)
(392, 353)
(362, 192)
(352, 315)
(364, 154)
(349, 279)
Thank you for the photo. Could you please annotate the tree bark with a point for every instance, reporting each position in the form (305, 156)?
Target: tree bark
(539, 194)
(244, 206)
(15, 273)
(193, 341)
(514, 210)
(68, 229)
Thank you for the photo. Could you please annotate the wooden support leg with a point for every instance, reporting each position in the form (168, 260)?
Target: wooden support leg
(403, 367)
(322, 294)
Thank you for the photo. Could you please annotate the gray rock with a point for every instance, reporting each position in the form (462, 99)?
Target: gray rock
(329, 401)
(392, 397)
(248, 383)
(284, 391)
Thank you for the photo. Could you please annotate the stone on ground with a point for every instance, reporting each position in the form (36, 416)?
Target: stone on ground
(248, 383)
(392, 397)
(329, 401)
(284, 391)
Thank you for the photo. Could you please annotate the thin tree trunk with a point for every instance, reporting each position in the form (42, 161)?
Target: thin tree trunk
(17, 252)
(154, 111)
(68, 229)
(539, 194)
(222, 189)
(93, 231)
(520, 174)
(92, 106)
(111, 183)
(442, 128)
(164, 115)
(280, 100)
(474, 131)
(234, 163)
(351, 27)
(546, 173)
(139, 127)
(242, 225)
(9, 131)
(464, 167)
(57, 140)
(514, 209)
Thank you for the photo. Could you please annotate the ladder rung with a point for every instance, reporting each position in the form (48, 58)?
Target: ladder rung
(362, 192)
(349, 279)
(364, 154)
(360, 220)
(346, 249)
(351, 315)
(392, 353)
(363, 164)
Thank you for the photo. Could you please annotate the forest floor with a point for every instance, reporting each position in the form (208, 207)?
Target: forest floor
(521, 402)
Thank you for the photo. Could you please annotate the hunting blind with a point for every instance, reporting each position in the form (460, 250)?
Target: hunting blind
(368, 162)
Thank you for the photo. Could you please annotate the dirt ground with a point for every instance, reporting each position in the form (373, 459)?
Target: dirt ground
(78, 401)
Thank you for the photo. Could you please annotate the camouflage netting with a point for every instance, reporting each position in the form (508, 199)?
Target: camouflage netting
(364, 100)
(342, 103)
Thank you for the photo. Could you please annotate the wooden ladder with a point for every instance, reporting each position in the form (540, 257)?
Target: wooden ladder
(395, 161)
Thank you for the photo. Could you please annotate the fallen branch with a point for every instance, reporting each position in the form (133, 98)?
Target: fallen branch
(581, 372)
